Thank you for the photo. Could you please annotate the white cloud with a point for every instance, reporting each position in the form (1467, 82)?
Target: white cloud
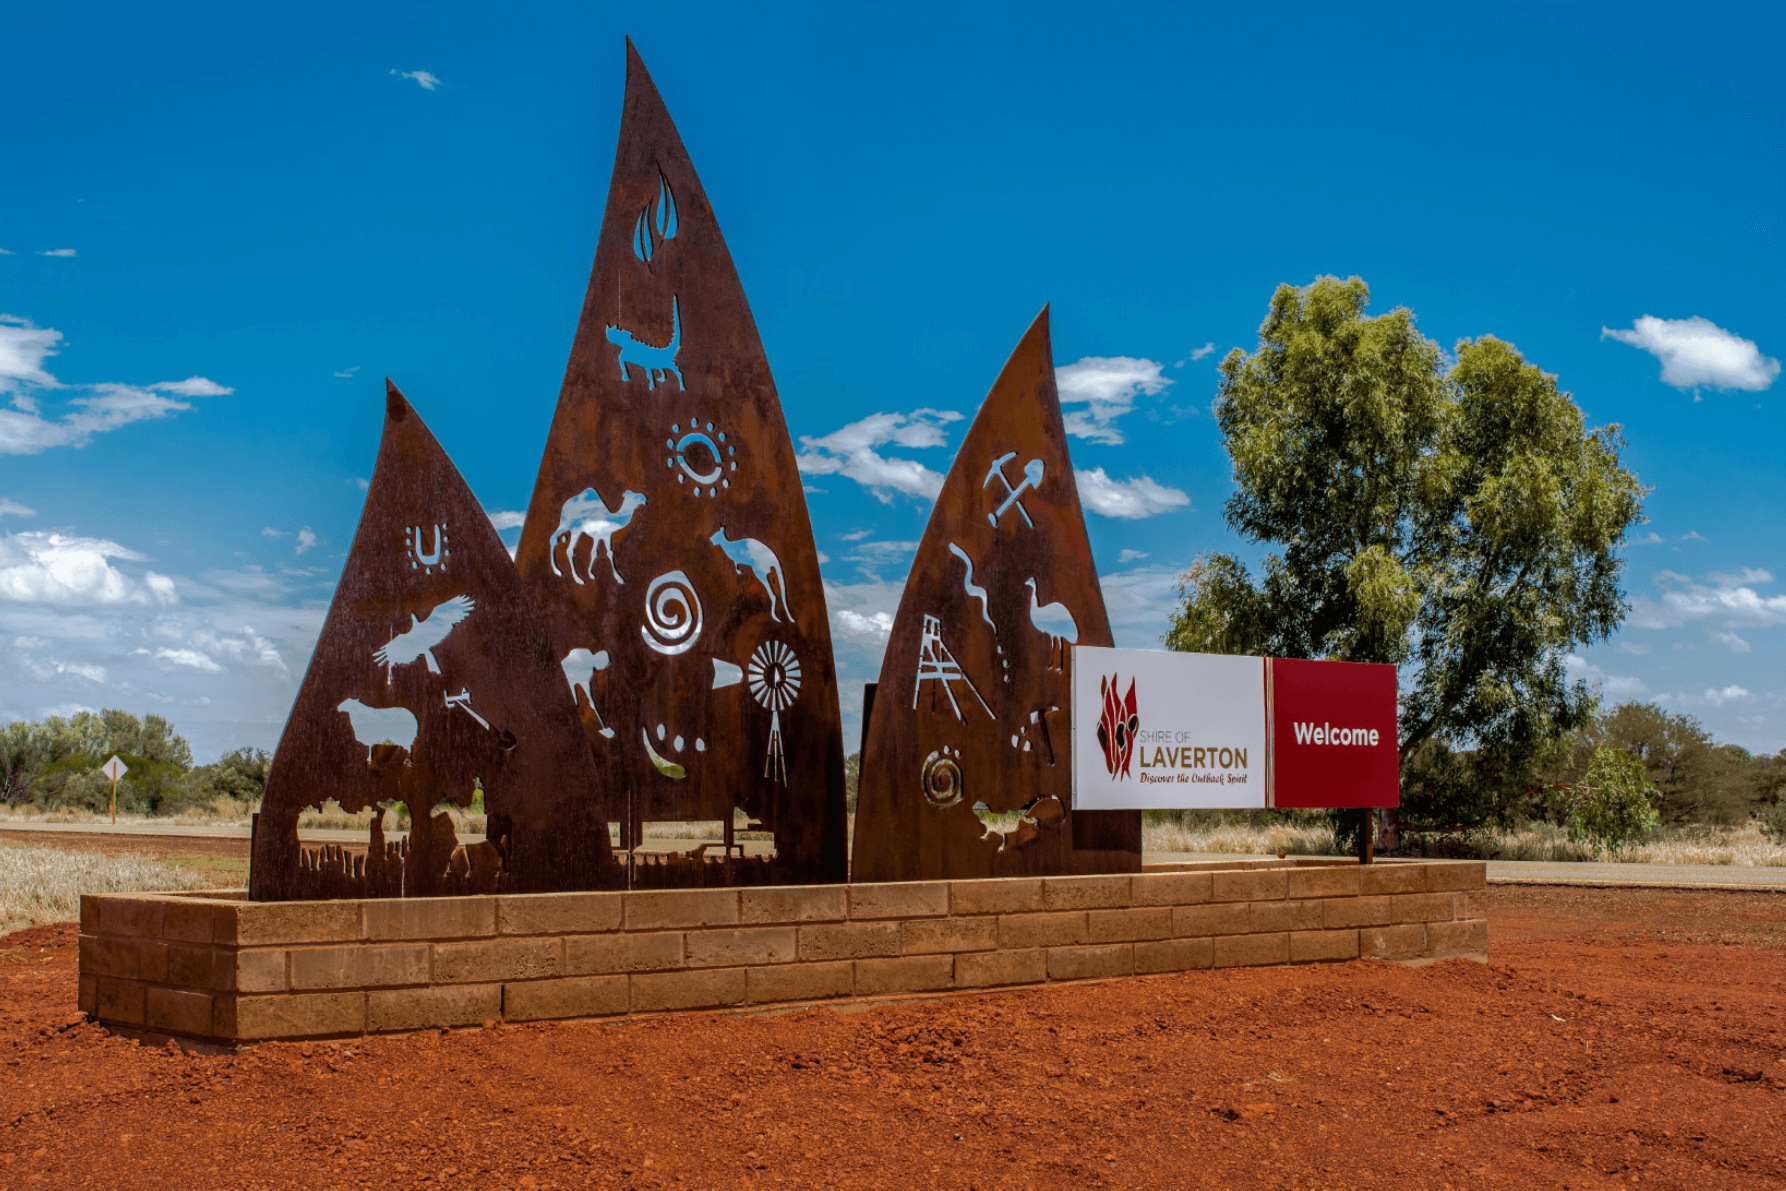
(1730, 694)
(30, 642)
(1107, 386)
(506, 520)
(853, 452)
(1205, 350)
(58, 252)
(50, 668)
(1633, 648)
(1727, 598)
(191, 658)
(1129, 500)
(1696, 351)
(1730, 641)
(347, 373)
(270, 532)
(875, 627)
(1131, 555)
(1617, 688)
(14, 509)
(53, 569)
(306, 539)
(425, 80)
(855, 535)
(1649, 539)
(25, 431)
(7, 252)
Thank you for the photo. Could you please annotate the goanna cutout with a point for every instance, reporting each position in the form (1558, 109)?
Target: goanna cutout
(668, 534)
(432, 674)
(971, 707)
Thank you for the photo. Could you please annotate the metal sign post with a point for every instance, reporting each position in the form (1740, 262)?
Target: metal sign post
(114, 769)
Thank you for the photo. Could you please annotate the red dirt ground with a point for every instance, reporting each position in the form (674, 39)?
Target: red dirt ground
(1618, 1038)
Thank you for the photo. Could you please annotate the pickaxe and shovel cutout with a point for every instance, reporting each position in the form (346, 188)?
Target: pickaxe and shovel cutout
(1032, 478)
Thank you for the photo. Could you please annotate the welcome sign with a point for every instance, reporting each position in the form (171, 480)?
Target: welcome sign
(1168, 731)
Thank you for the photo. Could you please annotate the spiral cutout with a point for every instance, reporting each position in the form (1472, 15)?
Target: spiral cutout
(942, 780)
(672, 614)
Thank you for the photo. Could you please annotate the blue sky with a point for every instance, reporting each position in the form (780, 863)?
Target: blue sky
(224, 226)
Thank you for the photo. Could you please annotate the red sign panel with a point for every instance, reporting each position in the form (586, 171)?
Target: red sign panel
(1333, 734)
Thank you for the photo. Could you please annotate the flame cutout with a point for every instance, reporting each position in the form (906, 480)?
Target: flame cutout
(1117, 726)
(656, 223)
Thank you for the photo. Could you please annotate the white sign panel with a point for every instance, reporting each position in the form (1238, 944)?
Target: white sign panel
(114, 768)
(1160, 731)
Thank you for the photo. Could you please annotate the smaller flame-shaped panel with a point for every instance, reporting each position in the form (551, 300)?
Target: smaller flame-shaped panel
(966, 768)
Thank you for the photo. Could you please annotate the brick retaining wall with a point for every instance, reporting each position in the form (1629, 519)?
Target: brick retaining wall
(217, 969)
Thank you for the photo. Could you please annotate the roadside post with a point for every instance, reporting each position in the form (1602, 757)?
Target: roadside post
(114, 769)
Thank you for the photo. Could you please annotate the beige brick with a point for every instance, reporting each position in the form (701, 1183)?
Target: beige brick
(1237, 951)
(87, 995)
(1342, 913)
(906, 974)
(1471, 935)
(902, 899)
(1016, 931)
(120, 1002)
(800, 982)
(794, 903)
(555, 1000)
(204, 969)
(1255, 885)
(1470, 905)
(100, 956)
(987, 969)
(151, 961)
(493, 959)
(1084, 893)
(89, 914)
(179, 1011)
(735, 948)
(596, 954)
(674, 909)
(849, 940)
(260, 971)
(360, 966)
(1173, 955)
(1422, 907)
(1003, 895)
(1269, 917)
(313, 1015)
(1323, 880)
(927, 936)
(265, 924)
(1392, 942)
(1171, 889)
(1125, 926)
(1091, 963)
(1193, 922)
(710, 989)
(430, 918)
(1309, 946)
(186, 920)
(428, 1008)
(136, 916)
(1391, 877)
(1443, 876)
(558, 913)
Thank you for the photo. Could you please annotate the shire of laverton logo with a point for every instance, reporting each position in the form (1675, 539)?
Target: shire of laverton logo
(1117, 726)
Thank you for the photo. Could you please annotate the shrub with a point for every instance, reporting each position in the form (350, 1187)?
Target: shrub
(1612, 805)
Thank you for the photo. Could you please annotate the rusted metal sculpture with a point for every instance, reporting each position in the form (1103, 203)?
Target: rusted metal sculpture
(433, 674)
(667, 544)
(971, 709)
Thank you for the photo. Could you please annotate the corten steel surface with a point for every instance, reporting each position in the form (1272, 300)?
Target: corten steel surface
(972, 703)
(432, 671)
(667, 544)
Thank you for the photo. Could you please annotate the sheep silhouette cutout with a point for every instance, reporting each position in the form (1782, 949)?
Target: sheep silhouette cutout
(420, 638)
(748, 552)
(373, 726)
(586, 515)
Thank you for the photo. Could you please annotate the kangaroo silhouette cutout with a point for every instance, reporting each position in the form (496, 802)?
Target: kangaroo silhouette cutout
(586, 515)
(657, 362)
(748, 552)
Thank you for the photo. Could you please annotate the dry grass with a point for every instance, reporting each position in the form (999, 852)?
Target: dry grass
(45, 884)
(1744, 846)
(1235, 838)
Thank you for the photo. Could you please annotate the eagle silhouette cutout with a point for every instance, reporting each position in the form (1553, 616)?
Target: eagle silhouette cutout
(420, 638)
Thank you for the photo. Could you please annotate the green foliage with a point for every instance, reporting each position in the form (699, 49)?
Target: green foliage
(55, 764)
(1454, 518)
(1612, 805)
(852, 777)
(1771, 818)
(1696, 779)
